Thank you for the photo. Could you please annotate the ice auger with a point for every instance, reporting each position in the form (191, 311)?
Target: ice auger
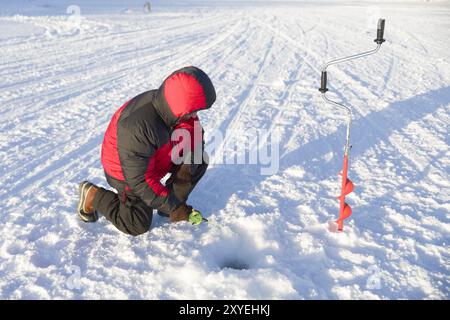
(347, 185)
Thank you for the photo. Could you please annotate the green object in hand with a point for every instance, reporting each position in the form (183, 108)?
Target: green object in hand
(195, 217)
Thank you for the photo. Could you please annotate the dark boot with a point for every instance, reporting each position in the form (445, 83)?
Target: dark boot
(86, 210)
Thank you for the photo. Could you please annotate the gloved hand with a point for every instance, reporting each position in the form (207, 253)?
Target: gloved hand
(181, 213)
(187, 213)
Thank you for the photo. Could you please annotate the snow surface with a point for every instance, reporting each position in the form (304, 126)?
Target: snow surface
(63, 76)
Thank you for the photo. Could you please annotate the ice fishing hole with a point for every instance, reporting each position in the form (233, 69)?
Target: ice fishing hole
(236, 264)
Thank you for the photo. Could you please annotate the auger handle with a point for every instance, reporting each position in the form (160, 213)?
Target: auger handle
(323, 82)
(380, 32)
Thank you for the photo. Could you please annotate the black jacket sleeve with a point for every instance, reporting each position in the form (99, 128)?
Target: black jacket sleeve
(135, 152)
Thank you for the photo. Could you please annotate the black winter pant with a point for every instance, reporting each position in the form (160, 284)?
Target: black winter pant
(128, 212)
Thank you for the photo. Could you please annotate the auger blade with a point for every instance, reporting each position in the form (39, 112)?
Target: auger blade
(348, 188)
(347, 212)
(344, 214)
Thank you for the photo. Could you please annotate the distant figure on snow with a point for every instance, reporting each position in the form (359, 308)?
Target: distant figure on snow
(138, 151)
(147, 7)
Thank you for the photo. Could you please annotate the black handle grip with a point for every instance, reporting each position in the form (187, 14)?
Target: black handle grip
(380, 31)
(323, 82)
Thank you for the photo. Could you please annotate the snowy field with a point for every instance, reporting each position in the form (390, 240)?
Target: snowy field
(63, 75)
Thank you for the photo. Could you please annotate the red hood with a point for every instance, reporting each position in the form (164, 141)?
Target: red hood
(185, 91)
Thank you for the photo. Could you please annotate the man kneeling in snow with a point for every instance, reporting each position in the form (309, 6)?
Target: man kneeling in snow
(137, 152)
